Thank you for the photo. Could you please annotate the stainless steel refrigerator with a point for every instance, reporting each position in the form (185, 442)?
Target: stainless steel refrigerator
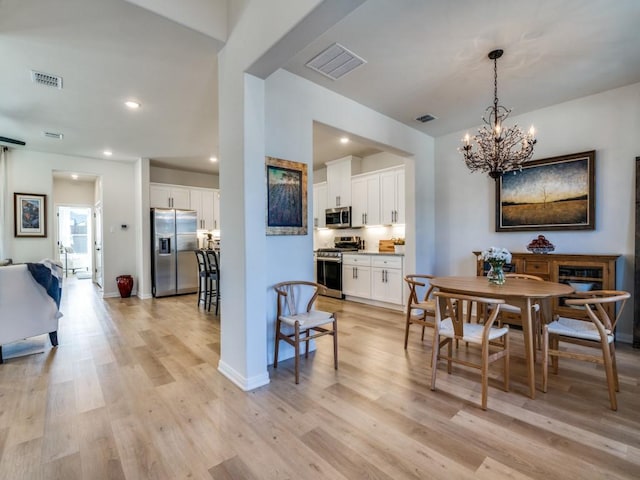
(174, 269)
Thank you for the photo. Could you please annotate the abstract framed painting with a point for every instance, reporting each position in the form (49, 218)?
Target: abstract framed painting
(555, 193)
(286, 197)
(30, 211)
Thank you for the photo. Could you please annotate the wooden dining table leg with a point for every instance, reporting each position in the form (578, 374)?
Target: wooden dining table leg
(527, 331)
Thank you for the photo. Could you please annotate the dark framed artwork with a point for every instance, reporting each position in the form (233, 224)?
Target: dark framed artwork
(30, 211)
(286, 197)
(550, 194)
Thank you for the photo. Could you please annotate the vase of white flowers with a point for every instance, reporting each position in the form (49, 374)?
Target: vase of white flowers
(496, 258)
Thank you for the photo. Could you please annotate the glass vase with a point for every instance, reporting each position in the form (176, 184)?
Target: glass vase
(496, 273)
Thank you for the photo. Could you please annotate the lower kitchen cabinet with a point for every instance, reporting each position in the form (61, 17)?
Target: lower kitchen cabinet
(356, 275)
(386, 279)
(377, 278)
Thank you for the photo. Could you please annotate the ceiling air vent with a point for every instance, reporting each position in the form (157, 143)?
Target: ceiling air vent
(426, 118)
(46, 79)
(335, 62)
(57, 136)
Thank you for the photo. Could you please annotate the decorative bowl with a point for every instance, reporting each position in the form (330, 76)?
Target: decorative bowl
(581, 286)
(547, 249)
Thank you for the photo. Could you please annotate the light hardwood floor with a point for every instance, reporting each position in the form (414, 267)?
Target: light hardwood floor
(133, 392)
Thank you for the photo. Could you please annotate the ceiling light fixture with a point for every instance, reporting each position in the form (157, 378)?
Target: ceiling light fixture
(344, 140)
(107, 153)
(74, 176)
(498, 149)
(132, 105)
(213, 159)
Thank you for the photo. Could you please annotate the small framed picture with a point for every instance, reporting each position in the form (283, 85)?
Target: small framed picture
(30, 210)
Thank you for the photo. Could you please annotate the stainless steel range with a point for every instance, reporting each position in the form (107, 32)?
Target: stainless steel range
(329, 264)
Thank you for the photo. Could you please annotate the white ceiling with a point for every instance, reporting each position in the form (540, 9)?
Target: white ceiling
(423, 56)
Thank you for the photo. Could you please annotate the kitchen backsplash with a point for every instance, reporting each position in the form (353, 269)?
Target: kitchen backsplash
(323, 238)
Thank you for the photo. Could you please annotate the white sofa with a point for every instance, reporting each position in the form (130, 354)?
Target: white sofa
(26, 310)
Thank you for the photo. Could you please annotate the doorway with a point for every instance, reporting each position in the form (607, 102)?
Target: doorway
(74, 240)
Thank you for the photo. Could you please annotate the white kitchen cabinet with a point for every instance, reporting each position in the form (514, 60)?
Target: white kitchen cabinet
(376, 278)
(365, 200)
(392, 201)
(319, 204)
(339, 174)
(386, 279)
(202, 201)
(356, 275)
(169, 196)
(216, 209)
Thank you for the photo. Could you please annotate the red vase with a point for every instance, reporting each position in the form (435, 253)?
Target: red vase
(125, 285)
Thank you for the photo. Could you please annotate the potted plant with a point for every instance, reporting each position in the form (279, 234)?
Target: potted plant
(398, 245)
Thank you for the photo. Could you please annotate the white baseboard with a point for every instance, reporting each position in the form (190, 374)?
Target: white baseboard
(624, 338)
(375, 303)
(240, 381)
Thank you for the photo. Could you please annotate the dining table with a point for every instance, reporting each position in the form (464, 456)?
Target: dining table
(519, 292)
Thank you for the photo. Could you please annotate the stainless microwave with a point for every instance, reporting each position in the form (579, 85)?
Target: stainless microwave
(339, 217)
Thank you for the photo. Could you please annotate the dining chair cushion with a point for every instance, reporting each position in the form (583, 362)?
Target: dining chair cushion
(472, 331)
(307, 320)
(570, 327)
(427, 306)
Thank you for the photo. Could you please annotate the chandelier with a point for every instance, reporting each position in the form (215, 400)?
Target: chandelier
(497, 149)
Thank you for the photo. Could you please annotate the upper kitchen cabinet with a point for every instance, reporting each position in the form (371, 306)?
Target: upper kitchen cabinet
(216, 209)
(365, 200)
(206, 202)
(392, 203)
(339, 174)
(319, 204)
(169, 196)
(202, 201)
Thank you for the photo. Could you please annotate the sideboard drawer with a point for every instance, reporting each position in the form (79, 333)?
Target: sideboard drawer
(534, 267)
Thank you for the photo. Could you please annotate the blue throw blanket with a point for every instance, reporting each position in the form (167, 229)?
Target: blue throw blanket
(45, 275)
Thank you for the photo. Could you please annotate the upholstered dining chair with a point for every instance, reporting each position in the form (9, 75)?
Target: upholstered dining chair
(421, 307)
(294, 311)
(451, 323)
(597, 333)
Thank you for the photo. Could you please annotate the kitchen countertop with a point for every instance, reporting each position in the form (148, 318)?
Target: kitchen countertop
(371, 252)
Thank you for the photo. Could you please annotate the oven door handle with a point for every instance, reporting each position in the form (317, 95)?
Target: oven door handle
(328, 259)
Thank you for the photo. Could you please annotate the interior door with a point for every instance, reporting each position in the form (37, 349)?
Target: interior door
(97, 243)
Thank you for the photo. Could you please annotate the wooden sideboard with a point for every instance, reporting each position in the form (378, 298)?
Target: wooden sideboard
(590, 272)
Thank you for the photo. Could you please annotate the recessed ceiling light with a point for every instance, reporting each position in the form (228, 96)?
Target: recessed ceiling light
(107, 153)
(74, 176)
(132, 104)
(344, 140)
(213, 159)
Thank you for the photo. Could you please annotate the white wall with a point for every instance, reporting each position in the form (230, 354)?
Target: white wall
(70, 192)
(32, 172)
(292, 104)
(181, 177)
(608, 123)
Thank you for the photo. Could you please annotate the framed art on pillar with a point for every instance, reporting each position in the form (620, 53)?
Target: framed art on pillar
(286, 197)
